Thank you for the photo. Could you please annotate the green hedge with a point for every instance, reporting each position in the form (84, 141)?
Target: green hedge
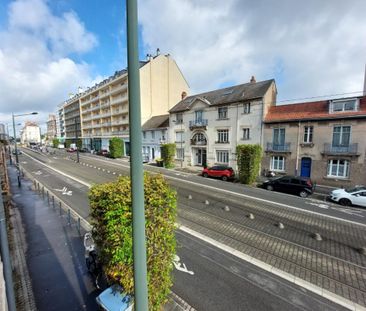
(167, 154)
(248, 160)
(116, 147)
(112, 219)
(55, 142)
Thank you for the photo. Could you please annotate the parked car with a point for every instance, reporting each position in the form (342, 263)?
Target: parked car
(18, 151)
(347, 197)
(219, 171)
(301, 186)
(71, 150)
(84, 150)
(103, 152)
(115, 299)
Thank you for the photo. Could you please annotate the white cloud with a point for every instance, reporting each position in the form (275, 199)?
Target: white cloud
(311, 47)
(36, 73)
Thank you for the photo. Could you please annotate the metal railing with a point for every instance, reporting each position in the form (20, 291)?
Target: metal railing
(198, 123)
(285, 147)
(340, 149)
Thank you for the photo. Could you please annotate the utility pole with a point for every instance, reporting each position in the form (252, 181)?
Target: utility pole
(137, 178)
(76, 143)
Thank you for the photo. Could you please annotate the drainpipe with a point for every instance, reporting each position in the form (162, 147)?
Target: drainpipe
(297, 150)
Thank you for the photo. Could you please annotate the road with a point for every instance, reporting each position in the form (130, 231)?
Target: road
(220, 211)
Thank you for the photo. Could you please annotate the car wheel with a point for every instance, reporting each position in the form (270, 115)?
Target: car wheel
(345, 202)
(303, 194)
(205, 175)
(224, 178)
(269, 187)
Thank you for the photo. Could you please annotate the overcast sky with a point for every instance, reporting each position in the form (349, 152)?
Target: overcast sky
(49, 48)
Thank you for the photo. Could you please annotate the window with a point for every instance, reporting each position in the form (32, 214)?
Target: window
(179, 118)
(222, 156)
(246, 108)
(341, 136)
(144, 134)
(180, 153)
(222, 113)
(308, 134)
(179, 137)
(153, 134)
(279, 137)
(246, 134)
(277, 163)
(198, 116)
(199, 139)
(344, 105)
(338, 168)
(222, 136)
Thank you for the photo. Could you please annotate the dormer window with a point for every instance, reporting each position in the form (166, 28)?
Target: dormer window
(343, 105)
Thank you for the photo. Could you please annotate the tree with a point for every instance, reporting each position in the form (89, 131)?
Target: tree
(167, 154)
(116, 147)
(112, 219)
(55, 142)
(248, 159)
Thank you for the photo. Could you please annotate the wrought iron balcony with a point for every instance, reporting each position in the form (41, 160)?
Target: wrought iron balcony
(198, 123)
(198, 142)
(350, 149)
(271, 147)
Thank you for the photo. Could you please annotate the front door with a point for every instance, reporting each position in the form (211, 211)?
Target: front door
(305, 167)
(201, 157)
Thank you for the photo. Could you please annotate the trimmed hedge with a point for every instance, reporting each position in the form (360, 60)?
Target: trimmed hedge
(112, 219)
(116, 147)
(167, 154)
(248, 160)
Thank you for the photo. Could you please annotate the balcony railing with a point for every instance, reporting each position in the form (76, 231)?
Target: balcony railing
(286, 147)
(351, 149)
(198, 123)
(198, 142)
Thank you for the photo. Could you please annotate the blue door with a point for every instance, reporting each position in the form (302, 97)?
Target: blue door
(305, 167)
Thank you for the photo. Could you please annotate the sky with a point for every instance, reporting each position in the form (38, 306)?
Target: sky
(50, 48)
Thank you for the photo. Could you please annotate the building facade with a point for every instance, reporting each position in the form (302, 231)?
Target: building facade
(51, 127)
(207, 127)
(323, 140)
(102, 112)
(30, 133)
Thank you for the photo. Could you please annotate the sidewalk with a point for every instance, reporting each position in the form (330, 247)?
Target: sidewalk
(48, 257)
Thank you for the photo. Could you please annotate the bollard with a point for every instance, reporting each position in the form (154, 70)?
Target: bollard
(38, 188)
(227, 208)
(48, 198)
(60, 208)
(68, 217)
(207, 202)
(251, 216)
(43, 192)
(35, 185)
(189, 197)
(53, 201)
(79, 225)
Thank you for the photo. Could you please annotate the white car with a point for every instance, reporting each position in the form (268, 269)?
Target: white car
(347, 197)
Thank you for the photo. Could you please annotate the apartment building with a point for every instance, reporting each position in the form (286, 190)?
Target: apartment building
(207, 127)
(154, 134)
(102, 112)
(324, 140)
(51, 127)
(30, 133)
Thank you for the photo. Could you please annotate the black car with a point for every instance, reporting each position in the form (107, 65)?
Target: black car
(301, 186)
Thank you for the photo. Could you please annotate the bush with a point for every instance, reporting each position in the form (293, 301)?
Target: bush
(167, 154)
(248, 159)
(116, 147)
(55, 142)
(112, 218)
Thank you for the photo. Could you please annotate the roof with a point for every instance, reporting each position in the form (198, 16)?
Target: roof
(156, 122)
(318, 110)
(226, 95)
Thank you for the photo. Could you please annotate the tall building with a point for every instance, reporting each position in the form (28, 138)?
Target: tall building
(30, 133)
(3, 134)
(102, 112)
(51, 127)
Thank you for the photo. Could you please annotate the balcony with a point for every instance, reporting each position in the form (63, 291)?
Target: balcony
(271, 147)
(351, 149)
(198, 124)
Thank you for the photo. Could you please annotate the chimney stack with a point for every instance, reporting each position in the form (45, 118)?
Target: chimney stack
(184, 95)
(252, 80)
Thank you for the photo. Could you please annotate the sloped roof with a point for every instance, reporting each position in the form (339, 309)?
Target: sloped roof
(226, 95)
(317, 110)
(161, 121)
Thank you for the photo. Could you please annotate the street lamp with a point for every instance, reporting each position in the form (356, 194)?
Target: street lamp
(76, 142)
(15, 141)
(181, 139)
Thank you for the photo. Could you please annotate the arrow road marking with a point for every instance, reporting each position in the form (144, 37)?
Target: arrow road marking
(64, 191)
(181, 266)
(37, 173)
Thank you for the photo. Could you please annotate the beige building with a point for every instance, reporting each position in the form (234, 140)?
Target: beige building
(51, 127)
(103, 109)
(323, 140)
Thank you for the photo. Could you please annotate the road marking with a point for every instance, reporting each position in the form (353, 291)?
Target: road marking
(37, 173)
(23, 162)
(345, 210)
(181, 266)
(64, 191)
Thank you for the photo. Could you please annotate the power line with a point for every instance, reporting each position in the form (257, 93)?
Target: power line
(320, 96)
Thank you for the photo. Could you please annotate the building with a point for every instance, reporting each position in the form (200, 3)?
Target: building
(101, 112)
(207, 127)
(30, 133)
(51, 127)
(154, 134)
(3, 133)
(324, 140)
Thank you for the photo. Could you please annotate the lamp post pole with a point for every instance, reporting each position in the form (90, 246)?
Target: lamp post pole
(76, 143)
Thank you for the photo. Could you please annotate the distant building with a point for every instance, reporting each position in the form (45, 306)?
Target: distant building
(324, 140)
(51, 127)
(3, 134)
(30, 133)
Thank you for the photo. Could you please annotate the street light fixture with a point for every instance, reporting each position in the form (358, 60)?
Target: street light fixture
(15, 141)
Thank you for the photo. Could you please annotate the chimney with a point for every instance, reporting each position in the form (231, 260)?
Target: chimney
(184, 95)
(252, 80)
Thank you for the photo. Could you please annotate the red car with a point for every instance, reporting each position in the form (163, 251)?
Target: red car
(219, 171)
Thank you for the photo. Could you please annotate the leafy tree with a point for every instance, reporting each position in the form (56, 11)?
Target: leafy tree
(167, 154)
(112, 219)
(248, 159)
(116, 147)
(55, 142)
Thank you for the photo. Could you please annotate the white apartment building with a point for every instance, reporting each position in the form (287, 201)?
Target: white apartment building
(207, 127)
(30, 133)
(102, 112)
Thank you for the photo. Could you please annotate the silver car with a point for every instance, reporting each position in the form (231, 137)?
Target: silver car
(347, 197)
